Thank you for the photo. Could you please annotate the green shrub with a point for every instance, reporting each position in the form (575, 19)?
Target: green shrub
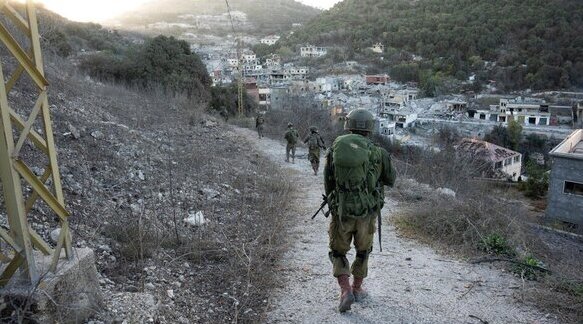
(495, 244)
(527, 268)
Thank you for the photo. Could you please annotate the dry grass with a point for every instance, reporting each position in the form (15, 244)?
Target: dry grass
(487, 219)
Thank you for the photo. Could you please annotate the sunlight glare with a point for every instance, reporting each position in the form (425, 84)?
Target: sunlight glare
(90, 10)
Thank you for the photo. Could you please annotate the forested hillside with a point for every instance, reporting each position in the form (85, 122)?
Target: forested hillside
(265, 15)
(519, 43)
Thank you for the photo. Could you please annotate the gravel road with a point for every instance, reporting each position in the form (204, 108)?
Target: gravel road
(408, 282)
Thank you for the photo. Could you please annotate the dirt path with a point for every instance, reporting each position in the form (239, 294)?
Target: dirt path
(408, 282)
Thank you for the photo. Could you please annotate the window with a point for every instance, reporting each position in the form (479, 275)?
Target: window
(508, 161)
(517, 159)
(573, 188)
(498, 165)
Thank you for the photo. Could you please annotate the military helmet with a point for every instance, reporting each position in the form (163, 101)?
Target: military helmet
(290, 124)
(313, 129)
(359, 120)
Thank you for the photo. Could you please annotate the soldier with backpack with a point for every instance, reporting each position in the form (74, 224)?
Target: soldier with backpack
(259, 121)
(291, 136)
(315, 143)
(355, 174)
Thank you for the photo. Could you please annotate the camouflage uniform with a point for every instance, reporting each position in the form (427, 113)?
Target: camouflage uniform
(259, 121)
(291, 136)
(360, 230)
(315, 143)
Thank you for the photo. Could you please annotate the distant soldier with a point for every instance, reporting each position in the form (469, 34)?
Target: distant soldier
(315, 143)
(259, 121)
(355, 174)
(291, 136)
(224, 113)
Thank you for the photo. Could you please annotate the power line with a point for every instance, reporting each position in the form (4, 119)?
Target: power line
(240, 83)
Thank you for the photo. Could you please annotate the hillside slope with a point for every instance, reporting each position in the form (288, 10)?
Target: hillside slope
(264, 15)
(531, 43)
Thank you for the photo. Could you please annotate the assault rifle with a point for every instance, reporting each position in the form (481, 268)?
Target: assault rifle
(321, 209)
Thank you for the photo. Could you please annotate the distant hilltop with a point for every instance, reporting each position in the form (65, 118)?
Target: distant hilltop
(248, 15)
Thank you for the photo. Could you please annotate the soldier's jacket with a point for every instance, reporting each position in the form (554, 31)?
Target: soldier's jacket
(259, 121)
(384, 171)
(291, 136)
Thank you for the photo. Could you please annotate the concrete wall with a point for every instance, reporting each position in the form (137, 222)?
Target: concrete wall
(562, 206)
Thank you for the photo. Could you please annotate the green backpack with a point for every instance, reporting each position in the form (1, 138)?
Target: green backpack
(356, 173)
(291, 136)
(313, 142)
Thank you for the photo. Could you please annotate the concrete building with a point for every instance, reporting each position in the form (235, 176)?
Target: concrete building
(378, 79)
(384, 126)
(378, 48)
(313, 51)
(565, 198)
(264, 96)
(328, 84)
(270, 40)
(402, 118)
(498, 162)
(527, 111)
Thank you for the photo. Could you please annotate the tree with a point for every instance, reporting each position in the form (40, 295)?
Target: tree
(537, 183)
(514, 134)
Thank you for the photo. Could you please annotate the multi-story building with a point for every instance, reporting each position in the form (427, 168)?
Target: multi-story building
(313, 51)
(377, 79)
(270, 40)
(565, 197)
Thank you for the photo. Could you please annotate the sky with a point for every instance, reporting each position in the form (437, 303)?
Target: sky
(101, 10)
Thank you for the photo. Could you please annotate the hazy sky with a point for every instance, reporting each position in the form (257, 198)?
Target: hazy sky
(100, 10)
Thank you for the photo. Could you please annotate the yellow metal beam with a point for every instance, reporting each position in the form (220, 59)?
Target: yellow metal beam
(12, 188)
(34, 196)
(9, 240)
(40, 188)
(38, 140)
(16, 18)
(16, 262)
(14, 78)
(28, 126)
(20, 54)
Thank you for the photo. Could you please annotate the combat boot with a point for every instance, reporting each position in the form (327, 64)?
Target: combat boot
(346, 295)
(359, 293)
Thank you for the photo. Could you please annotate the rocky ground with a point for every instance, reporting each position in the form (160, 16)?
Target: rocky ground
(171, 200)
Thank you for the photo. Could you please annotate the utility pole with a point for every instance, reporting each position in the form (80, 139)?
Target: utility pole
(22, 188)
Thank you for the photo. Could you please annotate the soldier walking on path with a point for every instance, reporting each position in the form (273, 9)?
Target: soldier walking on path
(355, 174)
(259, 121)
(291, 136)
(315, 143)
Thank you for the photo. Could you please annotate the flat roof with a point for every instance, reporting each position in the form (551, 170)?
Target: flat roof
(570, 147)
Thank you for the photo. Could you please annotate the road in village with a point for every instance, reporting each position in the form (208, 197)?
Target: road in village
(408, 282)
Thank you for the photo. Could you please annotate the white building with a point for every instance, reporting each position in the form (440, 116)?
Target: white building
(497, 161)
(264, 97)
(312, 51)
(378, 48)
(270, 40)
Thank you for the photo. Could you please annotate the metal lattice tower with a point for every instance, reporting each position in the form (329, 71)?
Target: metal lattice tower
(22, 187)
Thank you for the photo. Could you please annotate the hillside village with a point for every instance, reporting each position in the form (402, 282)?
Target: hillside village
(194, 220)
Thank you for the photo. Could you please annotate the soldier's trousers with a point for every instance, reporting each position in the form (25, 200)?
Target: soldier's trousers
(314, 158)
(290, 148)
(342, 234)
(260, 131)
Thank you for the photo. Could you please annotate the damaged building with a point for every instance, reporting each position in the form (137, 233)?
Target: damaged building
(494, 161)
